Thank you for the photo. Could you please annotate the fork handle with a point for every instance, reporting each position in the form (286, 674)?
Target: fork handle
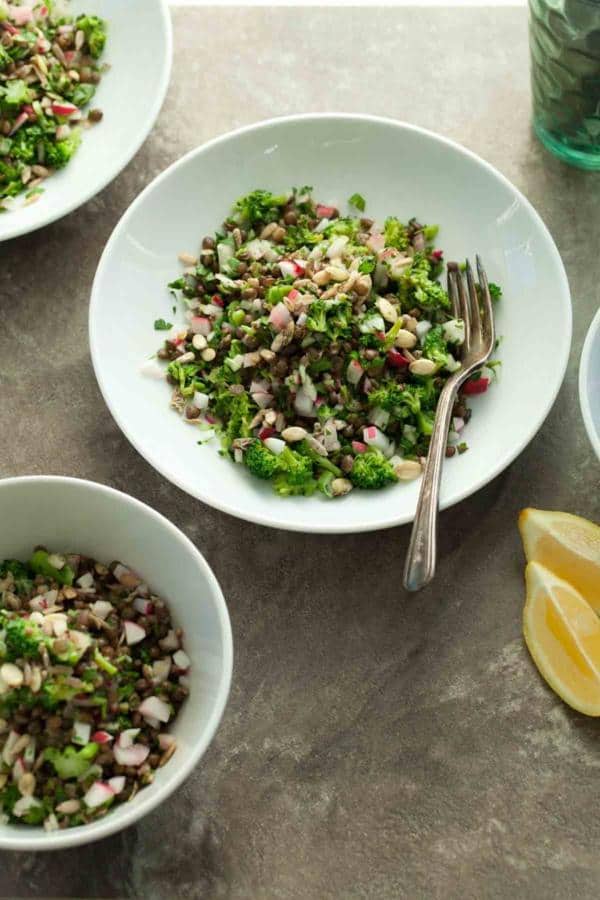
(419, 568)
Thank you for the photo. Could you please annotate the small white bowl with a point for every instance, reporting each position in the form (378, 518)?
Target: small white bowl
(139, 52)
(400, 170)
(82, 516)
(589, 383)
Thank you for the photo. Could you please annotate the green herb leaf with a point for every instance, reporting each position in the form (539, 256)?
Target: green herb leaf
(358, 202)
(161, 325)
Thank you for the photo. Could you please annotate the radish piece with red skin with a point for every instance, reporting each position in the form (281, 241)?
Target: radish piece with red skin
(325, 212)
(280, 317)
(266, 432)
(102, 737)
(64, 109)
(359, 447)
(117, 783)
(200, 325)
(99, 793)
(476, 386)
(396, 359)
(134, 633)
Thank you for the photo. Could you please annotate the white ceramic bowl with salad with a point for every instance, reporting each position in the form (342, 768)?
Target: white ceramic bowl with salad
(589, 383)
(399, 170)
(72, 515)
(138, 52)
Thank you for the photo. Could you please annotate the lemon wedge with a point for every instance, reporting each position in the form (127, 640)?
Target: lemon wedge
(562, 633)
(567, 545)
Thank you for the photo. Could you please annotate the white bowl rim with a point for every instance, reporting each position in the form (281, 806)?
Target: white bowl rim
(56, 212)
(122, 816)
(272, 521)
(584, 371)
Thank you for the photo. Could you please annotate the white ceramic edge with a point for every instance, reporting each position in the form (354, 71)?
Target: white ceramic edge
(273, 522)
(114, 170)
(584, 371)
(87, 834)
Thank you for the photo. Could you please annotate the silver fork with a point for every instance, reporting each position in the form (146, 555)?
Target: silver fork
(478, 344)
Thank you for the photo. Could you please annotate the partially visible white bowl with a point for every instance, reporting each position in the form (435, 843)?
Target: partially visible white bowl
(139, 52)
(589, 383)
(81, 516)
(400, 170)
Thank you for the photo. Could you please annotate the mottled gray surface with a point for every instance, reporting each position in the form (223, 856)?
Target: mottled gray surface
(375, 745)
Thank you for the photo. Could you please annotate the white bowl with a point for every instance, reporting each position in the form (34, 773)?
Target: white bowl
(589, 383)
(81, 516)
(139, 51)
(400, 170)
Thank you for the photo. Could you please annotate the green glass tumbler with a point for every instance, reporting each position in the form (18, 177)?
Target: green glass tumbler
(564, 39)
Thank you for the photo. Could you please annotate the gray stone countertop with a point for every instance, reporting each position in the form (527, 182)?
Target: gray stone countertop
(375, 745)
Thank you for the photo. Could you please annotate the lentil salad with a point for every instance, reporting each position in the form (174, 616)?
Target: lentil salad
(49, 71)
(316, 345)
(91, 672)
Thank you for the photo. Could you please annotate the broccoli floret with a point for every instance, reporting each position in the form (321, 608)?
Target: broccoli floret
(60, 691)
(495, 291)
(317, 316)
(80, 94)
(58, 153)
(301, 236)
(94, 29)
(71, 763)
(5, 58)
(348, 227)
(371, 470)
(185, 375)
(22, 580)
(14, 95)
(417, 287)
(260, 206)
(238, 414)
(260, 460)
(295, 474)
(23, 639)
(435, 347)
(322, 462)
(395, 234)
(40, 563)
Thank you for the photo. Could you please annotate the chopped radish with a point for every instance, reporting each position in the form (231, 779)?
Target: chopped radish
(99, 793)
(354, 372)
(102, 737)
(127, 737)
(81, 639)
(101, 609)
(81, 732)
(303, 403)
(262, 399)
(458, 424)
(293, 295)
(396, 359)
(218, 301)
(476, 386)
(336, 247)
(86, 581)
(376, 242)
(201, 400)
(135, 755)
(182, 660)
(117, 783)
(375, 438)
(380, 417)
(201, 325)
(275, 445)
(437, 255)
(280, 317)
(165, 740)
(292, 267)
(422, 328)
(143, 606)
(134, 633)
(63, 109)
(155, 708)
(152, 722)
(359, 447)
(58, 622)
(325, 212)
(20, 15)
(266, 432)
